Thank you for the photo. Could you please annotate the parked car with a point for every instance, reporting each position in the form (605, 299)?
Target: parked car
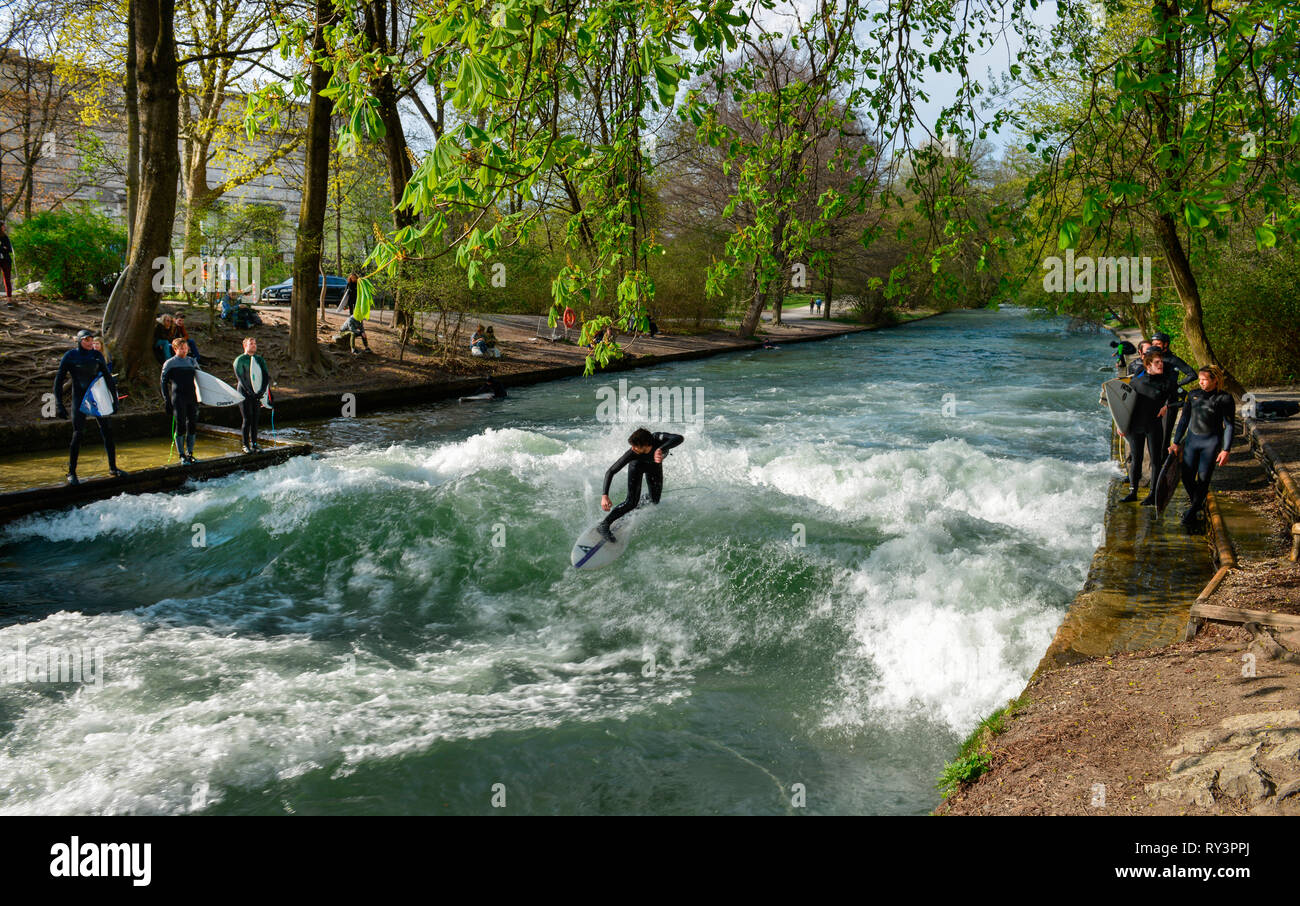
(280, 293)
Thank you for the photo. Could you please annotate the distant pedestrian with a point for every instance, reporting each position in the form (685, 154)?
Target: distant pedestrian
(6, 261)
(349, 300)
(812, 304)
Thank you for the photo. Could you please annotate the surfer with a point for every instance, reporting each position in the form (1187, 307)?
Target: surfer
(1182, 374)
(180, 392)
(253, 380)
(1137, 366)
(1155, 391)
(492, 386)
(1203, 436)
(644, 459)
(83, 364)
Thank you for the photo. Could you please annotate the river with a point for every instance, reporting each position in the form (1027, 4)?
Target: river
(865, 546)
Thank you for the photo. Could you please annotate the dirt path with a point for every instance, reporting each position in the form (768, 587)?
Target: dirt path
(39, 331)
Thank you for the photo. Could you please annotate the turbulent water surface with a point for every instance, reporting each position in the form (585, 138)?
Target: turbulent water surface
(393, 626)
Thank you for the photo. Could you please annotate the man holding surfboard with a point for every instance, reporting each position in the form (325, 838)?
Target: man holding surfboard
(253, 380)
(1154, 392)
(179, 385)
(645, 458)
(85, 366)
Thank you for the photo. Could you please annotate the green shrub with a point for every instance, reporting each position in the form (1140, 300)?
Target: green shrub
(974, 757)
(68, 250)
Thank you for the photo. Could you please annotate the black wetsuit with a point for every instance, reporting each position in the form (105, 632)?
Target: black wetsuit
(179, 390)
(1182, 374)
(251, 407)
(1145, 428)
(1204, 429)
(493, 387)
(83, 366)
(638, 465)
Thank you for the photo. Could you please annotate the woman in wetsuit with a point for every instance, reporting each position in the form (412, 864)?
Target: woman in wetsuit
(1203, 436)
(1155, 391)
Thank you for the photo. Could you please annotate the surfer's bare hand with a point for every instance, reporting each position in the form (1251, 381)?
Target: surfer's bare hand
(1175, 449)
(1221, 458)
(604, 503)
(659, 455)
(1163, 410)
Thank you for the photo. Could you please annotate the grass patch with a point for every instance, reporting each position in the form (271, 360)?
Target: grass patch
(974, 757)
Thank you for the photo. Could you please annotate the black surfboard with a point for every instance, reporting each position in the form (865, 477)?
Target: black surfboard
(1167, 482)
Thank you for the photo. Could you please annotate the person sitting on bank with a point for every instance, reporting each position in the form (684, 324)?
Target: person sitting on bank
(478, 341)
(192, 348)
(1203, 437)
(228, 307)
(164, 331)
(245, 317)
(82, 365)
(491, 349)
(178, 384)
(1155, 391)
(354, 330)
(253, 380)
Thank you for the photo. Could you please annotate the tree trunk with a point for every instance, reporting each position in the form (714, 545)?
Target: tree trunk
(830, 288)
(132, 128)
(304, 351)
(1180, 269)
(129, 315)
(399, 164)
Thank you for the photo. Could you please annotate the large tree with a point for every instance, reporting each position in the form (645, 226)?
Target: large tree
(304, 350)
(128, 318)
(1181, 123)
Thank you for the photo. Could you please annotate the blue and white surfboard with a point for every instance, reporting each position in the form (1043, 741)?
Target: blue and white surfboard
(98, 400)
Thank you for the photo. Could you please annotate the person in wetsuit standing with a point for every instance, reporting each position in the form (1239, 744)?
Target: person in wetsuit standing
(253, 380)
(83, 364)
(644, 459)
(1155, 391)
(1203, 436)
(1182, 374)
(180, 392)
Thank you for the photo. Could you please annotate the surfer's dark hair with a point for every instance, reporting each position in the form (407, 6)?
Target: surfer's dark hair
(641, 438)
(1150, 356)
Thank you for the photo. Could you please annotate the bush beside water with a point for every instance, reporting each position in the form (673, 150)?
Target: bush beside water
(68, 251)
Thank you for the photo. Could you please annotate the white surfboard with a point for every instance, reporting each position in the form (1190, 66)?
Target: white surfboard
(257, 377)
(213, 391)
(592, 551)
(1121, 398)
(98, 399)
(476, 397)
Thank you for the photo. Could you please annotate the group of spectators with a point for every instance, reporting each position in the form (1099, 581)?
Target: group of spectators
(483, 342)
(1168, 420)
(167, 329)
